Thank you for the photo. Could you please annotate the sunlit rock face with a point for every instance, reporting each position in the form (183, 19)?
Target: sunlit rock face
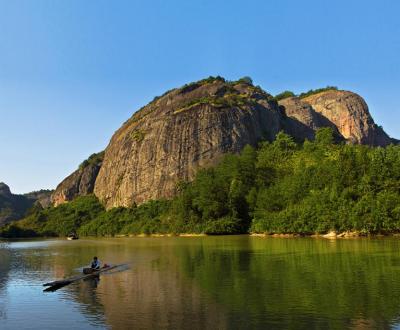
(302, 120)
(180, 132)
(350, 114)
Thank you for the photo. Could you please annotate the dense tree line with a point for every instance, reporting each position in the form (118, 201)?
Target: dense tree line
(280, 187)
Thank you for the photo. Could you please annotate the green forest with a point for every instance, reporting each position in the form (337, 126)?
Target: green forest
(279, 187)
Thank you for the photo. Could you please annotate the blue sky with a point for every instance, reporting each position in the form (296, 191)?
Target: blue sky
(71, 72)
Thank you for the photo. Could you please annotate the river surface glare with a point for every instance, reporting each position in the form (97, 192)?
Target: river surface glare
(225, 282)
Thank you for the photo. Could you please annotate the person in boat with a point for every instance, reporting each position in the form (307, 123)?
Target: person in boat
(95, 263)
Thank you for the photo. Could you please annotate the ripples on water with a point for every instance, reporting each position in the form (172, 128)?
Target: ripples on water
(226, 282)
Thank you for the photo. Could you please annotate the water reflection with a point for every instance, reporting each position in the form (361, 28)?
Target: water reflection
(300, 283)
(4, 271)
(208, 282)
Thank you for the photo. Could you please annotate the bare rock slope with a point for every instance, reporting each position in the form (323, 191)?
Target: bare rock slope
(173, 136)
(350, 114)
(302, 120)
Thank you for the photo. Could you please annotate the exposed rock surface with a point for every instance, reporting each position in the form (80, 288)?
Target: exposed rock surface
(303, 120)
(188, 128)
(349, 113)
(79, 183)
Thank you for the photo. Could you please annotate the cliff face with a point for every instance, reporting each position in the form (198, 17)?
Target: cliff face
(79, 183)
(188, 128)
(349, 113)
(302, 120)
(192, 127)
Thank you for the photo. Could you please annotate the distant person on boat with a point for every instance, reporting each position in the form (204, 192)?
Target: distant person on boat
(95, 263)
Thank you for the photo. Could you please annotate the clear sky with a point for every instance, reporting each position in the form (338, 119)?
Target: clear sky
(71, 72)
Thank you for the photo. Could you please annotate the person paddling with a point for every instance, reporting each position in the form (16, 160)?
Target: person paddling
(95, 263)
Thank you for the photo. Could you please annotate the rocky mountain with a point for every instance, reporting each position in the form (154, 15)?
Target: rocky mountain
(14, 207)
(176, 134)
(191, 127)
(79, 183)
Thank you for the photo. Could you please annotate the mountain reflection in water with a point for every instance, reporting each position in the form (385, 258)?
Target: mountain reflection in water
(204, 282)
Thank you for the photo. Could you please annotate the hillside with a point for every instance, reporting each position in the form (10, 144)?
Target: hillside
(278, 188)
(192, 127)
(14, 207)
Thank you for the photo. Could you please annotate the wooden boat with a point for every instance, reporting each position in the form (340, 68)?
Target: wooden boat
(71, 237)
(88, 271)
(53, 286)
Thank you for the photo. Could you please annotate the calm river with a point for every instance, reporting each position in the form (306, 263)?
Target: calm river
(227, 282)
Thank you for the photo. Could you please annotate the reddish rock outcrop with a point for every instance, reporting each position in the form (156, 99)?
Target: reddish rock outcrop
(302, 120)
(349, 113)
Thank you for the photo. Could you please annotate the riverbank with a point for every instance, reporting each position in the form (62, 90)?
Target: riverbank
(329, 235)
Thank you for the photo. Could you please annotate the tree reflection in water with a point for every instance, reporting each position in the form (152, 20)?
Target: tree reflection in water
(209, 282)
(5, 265)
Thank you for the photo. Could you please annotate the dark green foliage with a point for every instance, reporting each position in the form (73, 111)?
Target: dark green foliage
(246, 80)
(316, 91)
(13, 230)
(86, 216)
(226, 101)
(281, 187)
(284, 95)
(61, 220)
(330, 187)
(13, 207)
(93, 159)
(211, 79)
(192, 86)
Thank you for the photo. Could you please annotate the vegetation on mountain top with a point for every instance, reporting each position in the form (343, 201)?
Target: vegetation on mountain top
(317, 91)
(286, 94)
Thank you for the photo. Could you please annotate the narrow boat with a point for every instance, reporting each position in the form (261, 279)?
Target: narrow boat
(53, 286)
(88, 271)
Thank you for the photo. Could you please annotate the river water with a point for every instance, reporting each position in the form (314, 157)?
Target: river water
(226, 282)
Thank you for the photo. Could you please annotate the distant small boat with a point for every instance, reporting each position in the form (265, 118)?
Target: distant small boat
(71, 237)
